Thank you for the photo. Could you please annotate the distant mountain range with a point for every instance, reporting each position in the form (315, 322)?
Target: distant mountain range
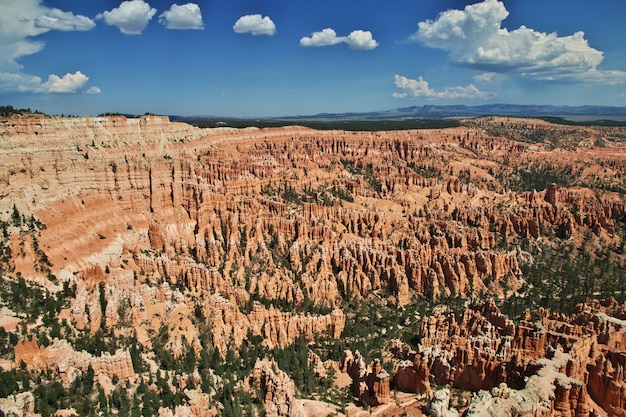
(457, 111)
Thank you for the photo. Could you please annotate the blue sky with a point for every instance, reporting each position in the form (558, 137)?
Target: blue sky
(277, 57)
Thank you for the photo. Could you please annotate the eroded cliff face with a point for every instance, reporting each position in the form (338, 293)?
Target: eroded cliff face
(61, 358)
(370, 384)
(277, 389)
(559, 366)
(174, 235)
(286, 214)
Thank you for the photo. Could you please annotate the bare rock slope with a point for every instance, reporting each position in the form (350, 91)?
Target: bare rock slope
(177, 241)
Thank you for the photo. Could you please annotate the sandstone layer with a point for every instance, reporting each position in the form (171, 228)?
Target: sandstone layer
(187, 240)
(61, 358)
(278, 390)
(560, 366)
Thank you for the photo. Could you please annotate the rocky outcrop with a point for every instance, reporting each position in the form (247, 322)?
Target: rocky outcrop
(516, 367)
(19, 405)
(278, 390)
(607, 382)
(278, 329)
(412, 377)
(213, 210)
(547, 393)
(370, 384)
(377, 385)
(198, 406)
(439, 405)
(192, 196)
(61, 358)
(166, 229)
(480, 351)
(322, 369)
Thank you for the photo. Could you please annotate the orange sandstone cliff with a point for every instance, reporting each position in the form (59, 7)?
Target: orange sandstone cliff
(184, 238)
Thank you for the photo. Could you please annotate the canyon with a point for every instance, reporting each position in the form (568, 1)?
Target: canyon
(174, 252)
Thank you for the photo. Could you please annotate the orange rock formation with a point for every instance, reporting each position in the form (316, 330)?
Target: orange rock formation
(279, 391)
(369, 384)
(61, 358)
(263, 232)
(517, 364)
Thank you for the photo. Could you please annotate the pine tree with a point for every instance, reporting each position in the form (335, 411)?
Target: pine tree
(88, 381)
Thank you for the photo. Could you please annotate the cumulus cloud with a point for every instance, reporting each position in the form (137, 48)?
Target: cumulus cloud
(25, 83)
(93, 90)
(255, 24)
(359, 40)
(22, 21)
(56, 19)
(474, 37)
(187, 16)
(69, 83)
(421, 88)
(18, 82)
(20, 24)
(131, 17)
(489, 77)
(324, 38)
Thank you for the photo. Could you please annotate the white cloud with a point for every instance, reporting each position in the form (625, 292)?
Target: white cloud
(474, 37)
(20, 24)
(485, 77)
(361, 40)
(187, 16)
(93, 90)
(69, 83)
(12, 51)
(255, 24)
(17, 81)
(489, 77)
(22, 21)
(358, 39)
(65, 21)
(131, 17)
(324, 38)
(421, 88)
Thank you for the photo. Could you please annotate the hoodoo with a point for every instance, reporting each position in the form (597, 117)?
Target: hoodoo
(149, 264)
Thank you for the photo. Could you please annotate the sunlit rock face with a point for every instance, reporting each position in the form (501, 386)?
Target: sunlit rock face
(226, 209)
(265, 234)
(61, 358)
(515, 370)
(277, 389)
